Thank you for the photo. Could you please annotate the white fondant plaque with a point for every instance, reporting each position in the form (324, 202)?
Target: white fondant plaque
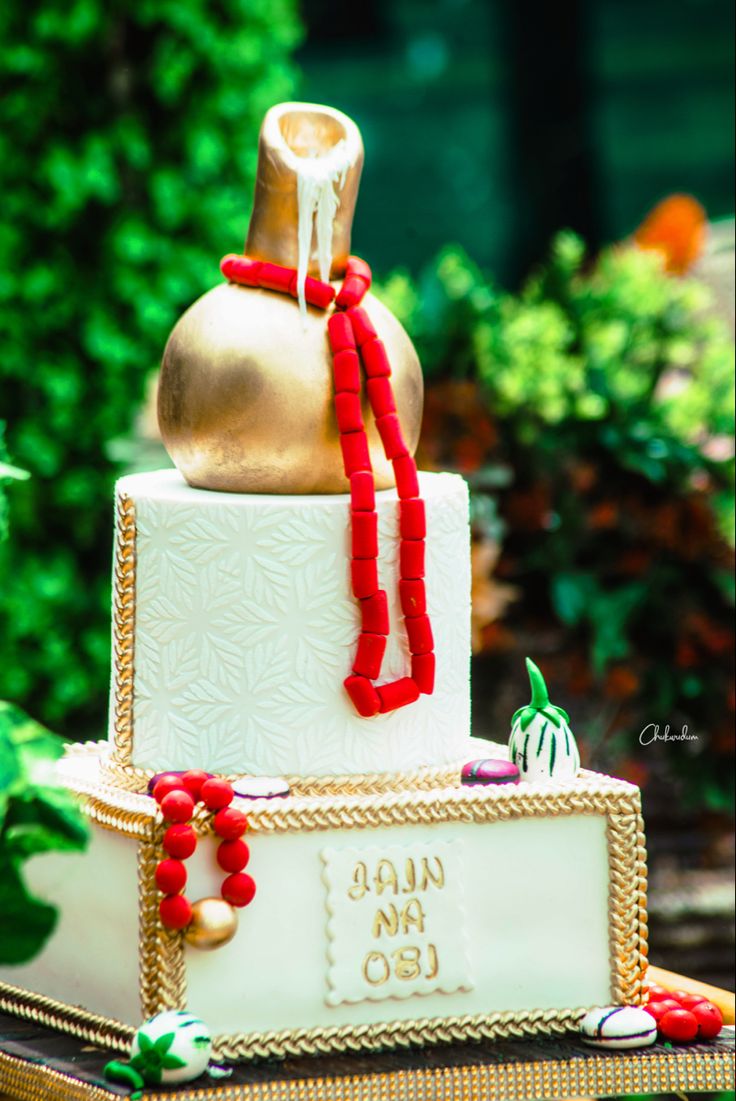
(396, 921)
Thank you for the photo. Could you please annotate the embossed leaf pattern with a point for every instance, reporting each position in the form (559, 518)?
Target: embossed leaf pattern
(246, 628)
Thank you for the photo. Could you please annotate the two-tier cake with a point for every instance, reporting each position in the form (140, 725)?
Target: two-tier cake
(292, 615)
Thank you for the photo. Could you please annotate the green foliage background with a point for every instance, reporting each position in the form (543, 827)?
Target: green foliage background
(607, 388)
(127, 156)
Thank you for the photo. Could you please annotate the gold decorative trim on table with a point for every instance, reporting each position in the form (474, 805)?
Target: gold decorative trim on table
(162, 953)
(513, 1080)
(35, 1082)
(123, 629)
(101, 1031)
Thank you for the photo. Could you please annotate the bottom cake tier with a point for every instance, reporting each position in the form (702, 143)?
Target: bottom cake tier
(379, 920)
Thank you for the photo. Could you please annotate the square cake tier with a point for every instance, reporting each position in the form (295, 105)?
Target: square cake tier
(379, 920)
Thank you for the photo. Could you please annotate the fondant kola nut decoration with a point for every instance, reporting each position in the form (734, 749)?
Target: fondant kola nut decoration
(542, 744)
(172, 1047)
(620, 1026)
(489, 771)
(307, 156)
(210, 922)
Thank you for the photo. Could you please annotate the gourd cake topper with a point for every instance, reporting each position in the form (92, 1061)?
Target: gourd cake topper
(542, 745)
(285, 380)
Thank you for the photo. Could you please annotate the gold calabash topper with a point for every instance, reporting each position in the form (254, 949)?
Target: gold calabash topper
(246, 395)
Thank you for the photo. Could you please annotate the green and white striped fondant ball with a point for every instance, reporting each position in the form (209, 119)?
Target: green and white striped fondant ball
(542, 745)
(174, 1046)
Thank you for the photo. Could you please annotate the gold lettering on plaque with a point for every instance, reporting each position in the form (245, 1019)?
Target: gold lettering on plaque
(376, 958)
(406, 963)
(360, 882)
(411, 877)
(390, 922)
(412, 916)
(386, 877)
(436, 878)
(433, 962)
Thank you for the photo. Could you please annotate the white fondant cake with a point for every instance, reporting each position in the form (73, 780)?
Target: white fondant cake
(383, 904)
(245, 629)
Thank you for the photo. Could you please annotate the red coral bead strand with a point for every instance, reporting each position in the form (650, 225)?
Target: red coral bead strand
(177, 797)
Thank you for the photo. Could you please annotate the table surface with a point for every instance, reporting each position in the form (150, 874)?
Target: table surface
(37, 1064)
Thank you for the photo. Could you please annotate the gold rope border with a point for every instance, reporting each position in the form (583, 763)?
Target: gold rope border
(46, 1011)
(543, 1078)
(161, 960)
(133, 779)
(123, 629)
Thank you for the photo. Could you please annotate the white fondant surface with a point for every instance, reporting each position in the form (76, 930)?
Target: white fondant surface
(536, 899)
(91, 959)
(246, 628)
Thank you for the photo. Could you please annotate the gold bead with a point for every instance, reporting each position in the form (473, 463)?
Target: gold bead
(214, 923)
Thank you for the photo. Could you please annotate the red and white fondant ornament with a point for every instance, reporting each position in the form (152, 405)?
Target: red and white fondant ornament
(355, 344)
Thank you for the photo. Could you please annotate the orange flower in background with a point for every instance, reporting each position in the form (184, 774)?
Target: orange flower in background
(676, 228)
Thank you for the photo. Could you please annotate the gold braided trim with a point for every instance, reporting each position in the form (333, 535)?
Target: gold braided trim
(466, 805)
(587, 796)
(161, 962)
(123, 629)
(627, 914)
(101, 1031)
(396, 1034)
(133, 779)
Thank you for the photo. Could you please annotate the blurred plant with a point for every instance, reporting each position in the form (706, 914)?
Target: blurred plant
(606, 387)
(127, 158)
(35, 816)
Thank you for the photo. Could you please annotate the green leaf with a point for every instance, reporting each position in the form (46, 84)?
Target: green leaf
(145, 1043)
(163, 1043)
(25, 922)
(14, 472)
(571, 594)
(172, 1062)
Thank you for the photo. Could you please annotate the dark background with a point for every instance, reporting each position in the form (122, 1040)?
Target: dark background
(494, 124)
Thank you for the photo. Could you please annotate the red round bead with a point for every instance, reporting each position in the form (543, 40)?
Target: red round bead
(177, 806)
(709, 1018)
(166, 783)
(175, 911)
(238, 889)
(232, 856)
(216, 793)
(689, 1001)
(180, 841)
(171, 876)
(653, 988)
(679, 1025)
(230, 823)
(658, 1008)
(193, 780)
